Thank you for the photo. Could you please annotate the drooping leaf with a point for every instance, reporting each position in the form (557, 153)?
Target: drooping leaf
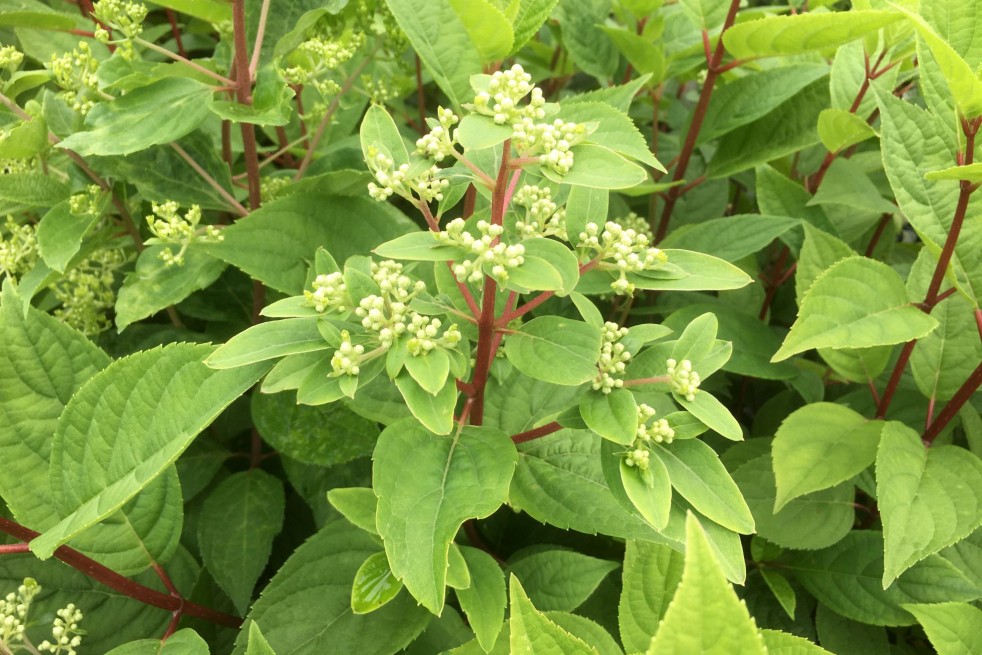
(929, 498)
(484, 601)
(126, 426)
(428, 485)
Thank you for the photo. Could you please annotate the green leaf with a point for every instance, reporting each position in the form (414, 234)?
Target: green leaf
(60, 235)
(652, 572)
(644, 56)
(857, 303)
(257, 642)
(846, 637)
(847, 184)
(271, 101)
(585, 205)
(182, 642)
(819, 446)
(699, 476)
(374, 585)
(598, 167)
(427, 487)
(586, 630)
(484, 601)
(488, 28)
(31, 13)
(838, 129)
(326, 435)
(557, 350)
(357, 504)
(160, 112)
(782, 643)
(239, 520)
(154, 285)
(733, 237)
(559, 579)
(970, 172)
(476, 132)
(713, 414)
(928, 498)
(277, 243)
(743, 100)
(782, 590)
(212, 11)
(32, 190)
(650, 492)
(25, 140)
(529, 18)
(808, 522)
(705, 617)
(612, 415)
(519, 403)
(847, 578)
(953, 628)
(109, 415)
(615, 130)
(435, 411)
(379, 133)
(704, 14)
(585, 44)
(306, 608)
(805, 32)
(944, 359)
(558, 257)
(534, 634)
(269, 340)
(704, 273)
(442, 42)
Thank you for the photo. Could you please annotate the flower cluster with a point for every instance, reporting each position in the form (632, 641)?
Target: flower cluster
(123, 16)
(658, 431)
(685, 381)
(426, 335)
(329, 291)
(398, 181)
(347, 357)
(506, 89)
(553, 140)
(13, 613)
(18, 249)
(75, 73)
(319, 55)
(86, 292)
(388, 314)
(491, 254)
(271, 188)
(87, 202)
(543, 216)
(168, 226)
(623, 250)
(613, 358)
(637, 223)
(439, 143)
(64, 632)
(10, 57)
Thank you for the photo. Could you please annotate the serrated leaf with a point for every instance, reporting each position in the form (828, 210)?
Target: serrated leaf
(645, 56)
(652, 573)
(427, 487)
(847, 637)
(60, 235)
(705, 616)
(703, 273)
(929, 498)
(182, 642)
(239, 520)
(805, 32)
(484, 601)
(857, 303)
(161, 112)
(847, 578)
(783, 643)
(699, 476)
(583, 40)
(969, 172)
(144, 410)
(953, 628)
(845, 183)
(257, 644)
(615, 130)
(819, 446)
(269, 340)
(554, 349)
(733, 237)
(306, 608)
(944, 359)
(529, 18)
(357, 504)
(560, 579)
(488, 28)
(374, 585)
(533, 633)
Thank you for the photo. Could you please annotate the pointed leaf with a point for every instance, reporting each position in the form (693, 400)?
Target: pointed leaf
(534, 634)
(953, 628)
(612, 415)
(269, 340)
(806, 32)
(652, 573)
(484, 601)
(557, 350)
(374, 585)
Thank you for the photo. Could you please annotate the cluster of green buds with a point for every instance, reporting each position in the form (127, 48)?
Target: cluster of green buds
(403, 181)
(86, 292)
(14, 608)
(169, 227)
(491, 255)
(552, 142)
(75, 72)
(388, 314)
(86, 203)
(439, 142)
(427, 337)
(18, 248)
(10, 58)
(543, 217)
(659, 431)
(506, 90)
(271, 188)
(347, 357)
(319, 56)
(124, 17)
(613, 358)
(685, 381)
(621, 249)
(330, 292)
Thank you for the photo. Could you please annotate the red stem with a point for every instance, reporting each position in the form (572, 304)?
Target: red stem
(699, 114)
(961, 397)
(176, 33)
(243, 93)
(535, 433)
(122, 584)
(875, 239)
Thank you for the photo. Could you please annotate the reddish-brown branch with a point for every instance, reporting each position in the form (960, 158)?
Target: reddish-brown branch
(698, 115)
(535, 433)
(510, 316)
(243, 93)
(12, 549)
(176, 32)
(880, 229)
(122, 584)
(951, 409)
(894, 381)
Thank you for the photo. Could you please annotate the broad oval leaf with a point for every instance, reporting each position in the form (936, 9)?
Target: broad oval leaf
(374, 585)
(555, 349)
(269, 340)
